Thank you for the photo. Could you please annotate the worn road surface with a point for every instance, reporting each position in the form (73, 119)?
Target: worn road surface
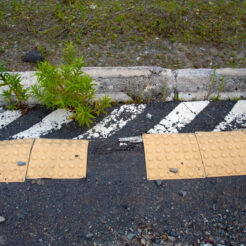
(115, 204)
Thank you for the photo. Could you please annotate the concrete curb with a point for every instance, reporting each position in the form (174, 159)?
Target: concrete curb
(124, 84)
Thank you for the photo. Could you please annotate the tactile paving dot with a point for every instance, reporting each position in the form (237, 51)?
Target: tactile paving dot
(11, 153)
(58, 159)
(223, 153)
(166, 151)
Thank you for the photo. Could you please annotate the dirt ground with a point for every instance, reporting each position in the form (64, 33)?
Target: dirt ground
(170, 34)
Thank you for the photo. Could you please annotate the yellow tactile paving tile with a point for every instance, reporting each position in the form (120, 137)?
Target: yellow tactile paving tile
(223, 153)
(14, 159)
(172, 156)
(58, 159)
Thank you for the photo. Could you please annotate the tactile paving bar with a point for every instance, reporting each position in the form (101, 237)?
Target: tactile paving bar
(11, 153)
(223, 153)
(58, 159)
(172, 156)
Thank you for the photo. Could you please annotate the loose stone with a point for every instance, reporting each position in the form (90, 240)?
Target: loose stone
(131, 236)
(182, 193)
(149, 116)
(21, 163)
(173, 170)
(89, 235)
(158, 182)
(2, 219)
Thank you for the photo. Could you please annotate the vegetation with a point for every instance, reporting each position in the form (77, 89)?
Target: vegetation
(211, 85)
(218, 97)
(112, 29)
(14, 88)
(2, 67)
(69, 87)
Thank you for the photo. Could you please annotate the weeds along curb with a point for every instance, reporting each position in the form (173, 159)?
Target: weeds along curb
(144, 84)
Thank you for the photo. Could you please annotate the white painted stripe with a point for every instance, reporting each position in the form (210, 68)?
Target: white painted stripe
(113, 122)
(182, 115)
(51, 122)
(236, 115)
(8, 116)
(135, 139)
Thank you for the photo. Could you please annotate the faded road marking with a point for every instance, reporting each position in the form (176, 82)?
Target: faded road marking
(8, 116)
(182, 115)
(114, 122)
(51, 122)
(236, 116)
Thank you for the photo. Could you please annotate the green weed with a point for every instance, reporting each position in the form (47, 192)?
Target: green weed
(211, 85)
(218, 97)
(68, 87)
(218, 23)
(13, 81)
(236, 98)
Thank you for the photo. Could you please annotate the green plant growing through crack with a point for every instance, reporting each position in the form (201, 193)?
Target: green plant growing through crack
(236, 98)
(68, 87)
(218, 97)
(13, 81)
(211, 85)
(176, 96)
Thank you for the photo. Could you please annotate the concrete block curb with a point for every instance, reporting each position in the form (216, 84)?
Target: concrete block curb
(155, 83)
(195, 83)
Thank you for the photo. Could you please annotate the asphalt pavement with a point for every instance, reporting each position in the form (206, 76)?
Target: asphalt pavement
(115, 204)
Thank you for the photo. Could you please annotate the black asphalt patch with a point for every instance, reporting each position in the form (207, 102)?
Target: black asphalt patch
(209, 117)
(115, 200)
(34, 116)
(142, 124)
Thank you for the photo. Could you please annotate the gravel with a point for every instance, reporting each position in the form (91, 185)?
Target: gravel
(2, 219)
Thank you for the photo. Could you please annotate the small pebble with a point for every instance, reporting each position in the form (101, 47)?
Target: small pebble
(2, 219)
(182, 193)
(20, 216)
(131, 236)
(158, 182)
(89, 235)
(173, 170)
(21, 163)
(143, 242)
(149, 116)
(33, 56)
(170, 238)
(173, 234)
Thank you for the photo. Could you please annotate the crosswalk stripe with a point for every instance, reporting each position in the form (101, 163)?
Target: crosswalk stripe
(113, 122)
(182, 115)
(8, 116)
(53, 121)
(236, 116)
